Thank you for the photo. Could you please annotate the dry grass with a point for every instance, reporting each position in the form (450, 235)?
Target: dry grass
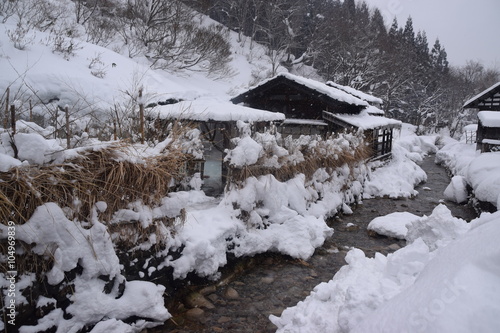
(95, 175)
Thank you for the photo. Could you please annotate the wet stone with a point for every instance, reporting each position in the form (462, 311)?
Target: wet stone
(351, 227)
(213, 297)
(223, 320)
(394, 247)
(208, 290)
(231, 293)
(197, 300)
(267, 280)
(194, 314)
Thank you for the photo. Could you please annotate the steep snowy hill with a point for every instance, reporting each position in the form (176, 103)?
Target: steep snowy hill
(97, 80)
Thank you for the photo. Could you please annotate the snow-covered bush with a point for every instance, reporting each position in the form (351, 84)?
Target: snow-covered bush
(269, 153)
(325, 174)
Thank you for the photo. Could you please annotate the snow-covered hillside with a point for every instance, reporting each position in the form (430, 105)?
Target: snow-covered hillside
(95, 81)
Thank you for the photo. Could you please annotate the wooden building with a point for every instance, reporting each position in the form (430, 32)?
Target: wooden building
(488, 128)
(312, 107)
(217, 123)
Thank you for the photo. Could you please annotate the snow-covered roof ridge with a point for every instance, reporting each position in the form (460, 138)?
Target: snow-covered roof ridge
(357, 93)
(212, 109)
(329, 91)
(481, 94)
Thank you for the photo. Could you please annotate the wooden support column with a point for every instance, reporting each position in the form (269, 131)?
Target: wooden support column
(141, 116)
(6, 114)
(68, 133)
(13, 118)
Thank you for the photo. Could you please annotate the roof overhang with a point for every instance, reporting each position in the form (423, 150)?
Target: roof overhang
(212, 110)
(478, 100)
(363, 121)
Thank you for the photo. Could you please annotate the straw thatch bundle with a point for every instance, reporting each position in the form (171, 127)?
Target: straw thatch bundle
(95, 175)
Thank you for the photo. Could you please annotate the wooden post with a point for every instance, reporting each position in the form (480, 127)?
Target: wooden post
(114, 130)
(31, 111)
(13, 118)
(6, 115)
(68, 134)
(141, 115)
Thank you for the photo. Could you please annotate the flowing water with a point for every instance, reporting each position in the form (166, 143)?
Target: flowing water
(251, 289)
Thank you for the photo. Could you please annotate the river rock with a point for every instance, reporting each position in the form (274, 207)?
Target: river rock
(194, 314)
(351, 227)
(267, 280)
(231, 293)
(208, 290)
(394, 247)
(197, 300)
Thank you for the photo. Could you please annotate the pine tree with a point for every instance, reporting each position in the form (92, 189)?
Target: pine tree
(377, 29)
(408, 33)
(439, 58)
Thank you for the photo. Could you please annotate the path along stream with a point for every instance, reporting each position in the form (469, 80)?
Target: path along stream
(251, 289)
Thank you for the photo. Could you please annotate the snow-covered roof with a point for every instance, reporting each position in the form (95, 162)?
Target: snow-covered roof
(364, 96)
(208, 109)
(322, 88)
(364, 120)
(481, 95)
(489, 118)
(313, 122)
(374, 110)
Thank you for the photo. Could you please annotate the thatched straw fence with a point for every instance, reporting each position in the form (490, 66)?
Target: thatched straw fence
(314, 159)
(95, 175)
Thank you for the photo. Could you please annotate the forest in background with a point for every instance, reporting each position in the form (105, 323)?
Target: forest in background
(343, 41)
(351, 44)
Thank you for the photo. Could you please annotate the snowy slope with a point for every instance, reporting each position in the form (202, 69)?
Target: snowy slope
(38, 71)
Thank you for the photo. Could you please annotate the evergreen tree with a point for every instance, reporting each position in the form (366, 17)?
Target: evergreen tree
(439, 58)
(408, 33)
(378, 30)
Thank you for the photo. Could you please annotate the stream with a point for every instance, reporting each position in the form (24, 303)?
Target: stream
(253, 288)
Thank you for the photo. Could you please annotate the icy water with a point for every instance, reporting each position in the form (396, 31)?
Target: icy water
(251, 289)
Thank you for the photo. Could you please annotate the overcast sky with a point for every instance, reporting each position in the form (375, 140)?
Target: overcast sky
(468, 29)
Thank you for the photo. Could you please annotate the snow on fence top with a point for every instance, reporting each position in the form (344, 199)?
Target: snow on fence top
(489, 118)
(207, 110)
(357, 93)
(470, 128)
(366, 121)
(329, 91)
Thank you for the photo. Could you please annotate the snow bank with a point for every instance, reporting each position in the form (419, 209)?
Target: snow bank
(392, 225)
(480, 171)
(483, 175)
(396, 179)
(70, 244)
(456, 156)
(263, 215)
(456, 191)
(444, 280)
